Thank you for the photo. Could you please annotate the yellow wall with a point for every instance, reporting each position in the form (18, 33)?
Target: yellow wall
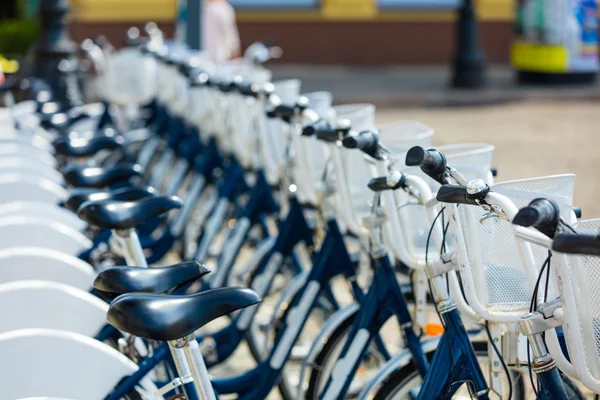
(331, 10)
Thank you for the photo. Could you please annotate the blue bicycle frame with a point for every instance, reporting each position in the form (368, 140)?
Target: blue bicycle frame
(454, 362)
(331, 260)
(384, 299)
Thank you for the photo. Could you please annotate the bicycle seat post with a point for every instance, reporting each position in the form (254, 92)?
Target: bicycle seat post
(194, 359)
(130, 246)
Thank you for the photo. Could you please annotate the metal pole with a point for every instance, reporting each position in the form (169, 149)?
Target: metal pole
(469, 62)
(53, 56)
(194, 24)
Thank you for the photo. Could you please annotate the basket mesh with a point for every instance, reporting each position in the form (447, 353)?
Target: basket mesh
(471, 159)
(585, 277)
(494, 255)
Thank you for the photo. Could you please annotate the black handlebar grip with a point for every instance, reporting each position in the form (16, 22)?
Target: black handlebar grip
(432, 162)
(577, 211)
(455, 195)
(494, 172)
(225, 87)
(540, 212)
(247, 89)
(366, 141)
(328, 135)
(415, 156)
(283, 111)
(383, 183)
(572, 243)
(363, 141)
(319, 126)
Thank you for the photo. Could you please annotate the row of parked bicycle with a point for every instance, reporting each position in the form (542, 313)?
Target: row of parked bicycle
(414, 274)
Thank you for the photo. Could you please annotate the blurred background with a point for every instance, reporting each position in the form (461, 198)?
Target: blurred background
(519, 74)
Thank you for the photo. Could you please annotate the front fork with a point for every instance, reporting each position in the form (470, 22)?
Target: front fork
(454, 361)
(533, 325)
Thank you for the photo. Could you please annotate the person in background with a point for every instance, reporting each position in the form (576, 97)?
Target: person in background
(220, 37)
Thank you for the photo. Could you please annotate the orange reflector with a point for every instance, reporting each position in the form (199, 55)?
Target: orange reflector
(434, 329)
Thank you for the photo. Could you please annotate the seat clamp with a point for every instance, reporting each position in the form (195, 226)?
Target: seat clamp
(175, 383)
(180, 343)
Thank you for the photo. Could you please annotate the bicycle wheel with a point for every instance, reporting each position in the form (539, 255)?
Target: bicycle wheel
(405, 382)
(260, 343)
(325, 362)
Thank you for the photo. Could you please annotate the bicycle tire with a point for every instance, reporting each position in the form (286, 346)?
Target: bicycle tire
(402, 376)
(316, 373)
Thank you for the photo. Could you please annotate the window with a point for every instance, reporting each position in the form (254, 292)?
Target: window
(275, 4)
(419, 4)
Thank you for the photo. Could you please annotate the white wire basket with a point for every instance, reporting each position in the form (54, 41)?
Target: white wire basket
(238, 115)
(400, 136)
(310, 155)
(353, 170)
(499, 271)
(130, 78)
(474, 161)
(580, 295)
(274, 134)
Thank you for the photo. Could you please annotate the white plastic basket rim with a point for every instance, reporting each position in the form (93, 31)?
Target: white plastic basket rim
(465, 149)
(361, 116)
(502, 188)
(319, 100)
(288, 90)
(397, 131)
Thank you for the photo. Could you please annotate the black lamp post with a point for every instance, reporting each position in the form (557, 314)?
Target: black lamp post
(469, 62)
(53, 56)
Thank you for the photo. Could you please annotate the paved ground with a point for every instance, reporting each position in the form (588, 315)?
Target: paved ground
(531, 139)
(425, 86)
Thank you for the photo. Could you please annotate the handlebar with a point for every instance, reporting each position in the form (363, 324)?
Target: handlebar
(456, 195)
(542, 214)
(199, 79)
(572, 243)
(287, 111)
(247, 89)
(395, 181)
(366, 141)
(432, 162)
(225, 86)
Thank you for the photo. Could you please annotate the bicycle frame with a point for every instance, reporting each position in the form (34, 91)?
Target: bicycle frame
(232, 184)
(331, 260)
(454, 361)
(384, 299)
(260, 203)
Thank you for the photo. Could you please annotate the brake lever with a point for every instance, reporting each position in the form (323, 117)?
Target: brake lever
(493, 211)
(457, 176)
